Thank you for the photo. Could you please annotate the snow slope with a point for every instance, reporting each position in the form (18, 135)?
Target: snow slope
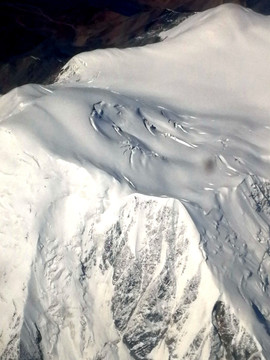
(135, 200)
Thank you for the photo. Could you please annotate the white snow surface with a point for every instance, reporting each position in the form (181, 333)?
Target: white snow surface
(139, 163)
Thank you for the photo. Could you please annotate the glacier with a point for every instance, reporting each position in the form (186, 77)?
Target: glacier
(135, 200)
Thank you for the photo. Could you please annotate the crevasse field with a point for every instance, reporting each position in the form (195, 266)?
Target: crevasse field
(135, 200)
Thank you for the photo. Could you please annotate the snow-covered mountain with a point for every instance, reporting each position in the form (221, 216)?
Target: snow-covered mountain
(135, 200)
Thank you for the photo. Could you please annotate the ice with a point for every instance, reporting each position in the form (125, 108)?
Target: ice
(135, 200)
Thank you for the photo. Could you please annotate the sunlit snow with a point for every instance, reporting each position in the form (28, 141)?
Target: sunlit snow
(135, 200)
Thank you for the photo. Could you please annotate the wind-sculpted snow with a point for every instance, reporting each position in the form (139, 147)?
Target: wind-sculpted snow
(135, 203)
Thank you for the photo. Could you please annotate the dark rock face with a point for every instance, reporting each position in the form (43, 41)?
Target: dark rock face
(38, 37)
(141, 304)
(188, 5)
(226, 328)
(261, 6)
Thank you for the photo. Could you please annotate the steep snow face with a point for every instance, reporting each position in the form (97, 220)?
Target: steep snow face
(135, 200)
